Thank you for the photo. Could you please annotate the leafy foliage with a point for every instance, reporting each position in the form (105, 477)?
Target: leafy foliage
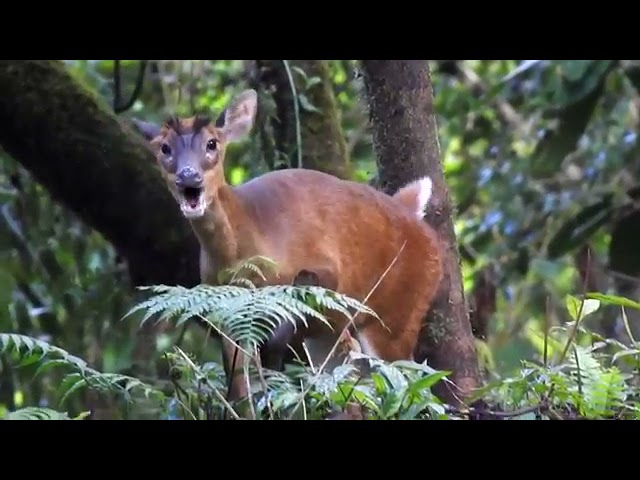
(37, 413)
(541, 158)
(30, 351)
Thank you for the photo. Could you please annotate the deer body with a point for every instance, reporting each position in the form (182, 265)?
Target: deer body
(348, 234)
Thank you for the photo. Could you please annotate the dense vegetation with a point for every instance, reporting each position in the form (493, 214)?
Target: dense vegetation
(540, 159)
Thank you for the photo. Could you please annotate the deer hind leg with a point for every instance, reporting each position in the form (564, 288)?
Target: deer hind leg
(396, 343)
(276, 352)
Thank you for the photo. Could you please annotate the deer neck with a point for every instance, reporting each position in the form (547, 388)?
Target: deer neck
(224, 232)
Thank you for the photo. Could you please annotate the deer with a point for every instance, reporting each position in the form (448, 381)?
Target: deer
(340, 234)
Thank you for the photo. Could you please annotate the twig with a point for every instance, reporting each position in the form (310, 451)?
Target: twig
(265, 387)
(546, 333)
(541, 407)
(210, 385)
(574, 330)
(137, 89)
(296, 111)
(247, 379)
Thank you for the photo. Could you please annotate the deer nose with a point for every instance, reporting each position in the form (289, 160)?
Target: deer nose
(188, 178)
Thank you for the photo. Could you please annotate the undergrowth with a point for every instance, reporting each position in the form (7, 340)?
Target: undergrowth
(579, 374)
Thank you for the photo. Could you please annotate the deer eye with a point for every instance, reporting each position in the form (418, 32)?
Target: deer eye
(165, 149)
(212, 144)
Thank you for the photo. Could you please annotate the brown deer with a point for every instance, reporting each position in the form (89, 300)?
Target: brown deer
(345, 234)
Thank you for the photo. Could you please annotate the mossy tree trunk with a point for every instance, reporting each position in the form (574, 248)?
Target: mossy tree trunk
(97, 167)
(322, 141)
(400, 96)
(94, 165)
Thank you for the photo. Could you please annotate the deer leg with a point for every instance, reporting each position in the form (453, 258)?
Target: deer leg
(275, 353)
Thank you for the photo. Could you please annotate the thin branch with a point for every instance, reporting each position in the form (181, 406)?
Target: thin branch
(296, 111)
(116, 85)
(137, 90)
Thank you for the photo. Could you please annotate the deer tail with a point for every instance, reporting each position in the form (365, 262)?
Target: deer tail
(416, 195)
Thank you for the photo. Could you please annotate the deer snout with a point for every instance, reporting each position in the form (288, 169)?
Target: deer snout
(188, 177)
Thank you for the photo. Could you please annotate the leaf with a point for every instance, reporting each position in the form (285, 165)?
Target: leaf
(313, 81)
(300, 72)
(577, 308)
(391, 404)
(614, 300)
(306, 104)
(70, 385)
(520, 69)
(574, 70)
(624, 353)
(426, 382)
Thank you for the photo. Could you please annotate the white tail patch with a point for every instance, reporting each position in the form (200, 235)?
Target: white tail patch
(425, 189)
(416, 196)
(422, 189)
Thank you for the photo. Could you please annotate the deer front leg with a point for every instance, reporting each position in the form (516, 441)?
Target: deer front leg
(233, 360)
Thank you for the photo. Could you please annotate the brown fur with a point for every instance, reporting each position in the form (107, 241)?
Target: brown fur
(308, 220)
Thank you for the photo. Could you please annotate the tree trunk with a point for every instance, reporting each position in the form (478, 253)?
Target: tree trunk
(80, 152)
(323, 144)
(405, 135)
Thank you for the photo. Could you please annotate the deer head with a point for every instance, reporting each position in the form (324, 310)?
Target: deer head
(190, 151)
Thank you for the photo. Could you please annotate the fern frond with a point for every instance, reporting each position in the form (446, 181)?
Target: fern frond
(605, 394)
(39, 413)
(23, 347)
(248, 316)
(231, 275)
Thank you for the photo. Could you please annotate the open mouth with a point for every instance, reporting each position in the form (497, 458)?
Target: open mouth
(192, 204)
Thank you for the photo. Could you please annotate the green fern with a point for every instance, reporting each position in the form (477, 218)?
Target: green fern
(27, 351)
(38, 413)
(247, 315)
(232, 276)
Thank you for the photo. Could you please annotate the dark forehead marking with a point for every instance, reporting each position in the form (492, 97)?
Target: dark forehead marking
(174, 123)
(199, 122)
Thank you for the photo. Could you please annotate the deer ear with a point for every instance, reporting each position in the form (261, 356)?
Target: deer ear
(148, 130)
(237, 119)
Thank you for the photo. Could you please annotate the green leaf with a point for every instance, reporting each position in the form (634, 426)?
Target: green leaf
(614, 300)
(574, 70)
(582, 308)
(624, 353)
(391, 404)
(300, 72)
(70, 385)
(426, 382)
(312, 82)
(306, 104)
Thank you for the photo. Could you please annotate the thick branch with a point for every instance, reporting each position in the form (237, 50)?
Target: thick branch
(405, 136)
(82, 154)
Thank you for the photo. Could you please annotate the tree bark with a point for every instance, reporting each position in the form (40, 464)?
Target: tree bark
(323, 145)
(97, 167)
(400, 97)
